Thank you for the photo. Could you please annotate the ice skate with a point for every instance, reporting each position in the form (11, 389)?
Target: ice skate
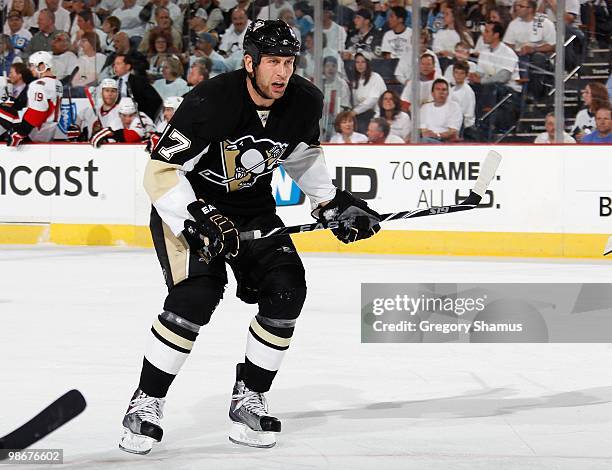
(251, 424)
(141, 423)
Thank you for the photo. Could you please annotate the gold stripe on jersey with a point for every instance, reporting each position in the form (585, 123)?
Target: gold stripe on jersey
(159, 178)
(269, 337)
(178, 255)
(171, 336)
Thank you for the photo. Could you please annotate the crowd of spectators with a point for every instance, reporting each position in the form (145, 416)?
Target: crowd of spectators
(474, 57)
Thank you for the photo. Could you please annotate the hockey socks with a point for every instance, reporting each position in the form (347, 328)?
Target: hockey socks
(168, 346)
(267, 341)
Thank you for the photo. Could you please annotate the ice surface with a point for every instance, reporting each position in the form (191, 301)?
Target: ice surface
(78, 318)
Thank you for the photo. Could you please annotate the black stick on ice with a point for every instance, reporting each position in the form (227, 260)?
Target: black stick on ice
(487, 173)
(58, 413)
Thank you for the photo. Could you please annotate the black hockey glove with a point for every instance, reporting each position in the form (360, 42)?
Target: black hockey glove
(357, 220)
(211, 234)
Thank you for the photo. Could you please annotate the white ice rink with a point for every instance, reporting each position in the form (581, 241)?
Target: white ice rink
(78, 318)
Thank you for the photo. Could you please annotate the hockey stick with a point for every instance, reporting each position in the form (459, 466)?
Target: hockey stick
(66, 81)
(91, 100)
(487, 172)
(58, 413)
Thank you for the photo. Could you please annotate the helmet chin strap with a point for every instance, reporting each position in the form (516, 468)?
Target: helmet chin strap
(258, 90)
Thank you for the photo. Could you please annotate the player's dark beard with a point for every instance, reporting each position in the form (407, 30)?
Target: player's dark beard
(259, 91)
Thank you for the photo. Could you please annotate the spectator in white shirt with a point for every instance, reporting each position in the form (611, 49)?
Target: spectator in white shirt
(462, 54)
(27, 10)
(334, 33)
(64, 60)
(146, 14)
(306, 63)
(271, 11)
(498, 63)
(453, 32)
(288, 16)
(494, 15)
(549, 7)
(336, 94)
(345, 125)
(85, 23)
(548, 137)
(441, 119)
(462, 94)
(533, 37)
(379, 133)
(128, 14)
(530, 32)
(76, 7)
(367, 87)
(497, 75)
(107, 6)
(62, 16)
(232, 39)
(171, 84)
(90, 61)
(396, 41)
(403, 71)
(390, 108)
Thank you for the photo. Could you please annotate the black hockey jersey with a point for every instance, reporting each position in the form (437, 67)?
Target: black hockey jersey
(221, 148)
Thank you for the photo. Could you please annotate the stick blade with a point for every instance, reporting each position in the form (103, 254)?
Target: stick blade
(58, 413)
(488, 169)
(608, 248)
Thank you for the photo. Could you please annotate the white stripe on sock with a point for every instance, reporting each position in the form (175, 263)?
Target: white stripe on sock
(262, 355)
(164, 357)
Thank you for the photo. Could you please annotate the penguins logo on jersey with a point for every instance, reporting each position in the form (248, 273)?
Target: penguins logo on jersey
(245, 160)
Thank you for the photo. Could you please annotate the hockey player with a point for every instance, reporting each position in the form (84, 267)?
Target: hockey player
(135, 126)
(208, 177)
(171, 104)
(39, 121)
(93, 119)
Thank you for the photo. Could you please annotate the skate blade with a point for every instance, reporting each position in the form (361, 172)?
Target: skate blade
(135, 443)
(243, 435)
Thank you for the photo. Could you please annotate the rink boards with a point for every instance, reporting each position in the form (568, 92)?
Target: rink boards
(547, 201)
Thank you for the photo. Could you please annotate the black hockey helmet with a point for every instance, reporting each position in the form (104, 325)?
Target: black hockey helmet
(270, 37)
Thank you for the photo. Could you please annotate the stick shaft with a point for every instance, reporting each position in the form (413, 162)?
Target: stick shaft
(487, 172)
(275, 232)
